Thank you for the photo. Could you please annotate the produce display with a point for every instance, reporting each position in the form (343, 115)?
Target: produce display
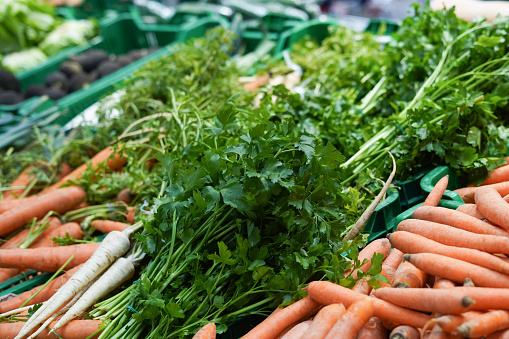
(214, 189)
(74, 74)
(30, 32)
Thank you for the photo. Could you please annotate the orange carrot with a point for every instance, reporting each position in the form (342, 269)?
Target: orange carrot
(206, 332)
(9, 204)
(60, 201)
(473, 211)
(437, 192)
(484, 324)
(328, 293)
(487, 298)
(297, 331)
(374, 329)
(362, 286)
(414, 243)
(106, 226)
(467, 193)
(324, 321)
(443, 283)
(408, 276)
(72, 229)
(504, 334)
(449, 323)
(378, 246)
(438, 333)
(65, 170)
(496, 176)
(44, 295)
(353, 320)
(22, 180)
(125, 195)
(131, 213)
(426, 299)
(47, 259)
(113, 161)
(272, 326)
(452, 236)
(389, 266)
(20, 236)
(457, 219)
(492, 206)
(75, 329)
(405, 332)
(457, 270)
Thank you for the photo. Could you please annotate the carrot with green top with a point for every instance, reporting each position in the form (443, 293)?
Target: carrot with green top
(206, 332)
(457, 219)
(452, 236)
(59, 201)
(114, 161)
(272, 326)
(413, 243)
(426, 299)
(484, 324)
(353, 320)
(491, 204)
(327, 293)
(437, 192)
(324, 321)
(457, 270)
(71, 229)
(381, 246)
(22, 180)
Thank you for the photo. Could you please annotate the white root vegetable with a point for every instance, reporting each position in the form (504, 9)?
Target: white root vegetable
(64, 309)
(119, 272)
(112, 247)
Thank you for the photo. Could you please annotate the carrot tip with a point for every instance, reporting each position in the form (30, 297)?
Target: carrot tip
(467, 301)
(464, 330)
(402, 285)
(407, 257)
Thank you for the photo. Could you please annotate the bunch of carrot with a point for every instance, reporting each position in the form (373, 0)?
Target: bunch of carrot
(28, 249)
(448, 272)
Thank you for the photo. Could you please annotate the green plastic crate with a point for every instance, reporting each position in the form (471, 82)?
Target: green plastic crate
(450, 199)
(410, 192)
(23, 282)
(123, 25)
(382, 26)
(383, 218)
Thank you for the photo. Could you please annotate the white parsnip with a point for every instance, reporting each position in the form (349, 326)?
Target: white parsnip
(114, 245)
(119, 272)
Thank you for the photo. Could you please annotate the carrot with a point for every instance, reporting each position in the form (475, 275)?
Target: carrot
(443, 283)
(485, 324)
(125, 195)
(47, 259)
(496, 176)
(492, 206)
(473, 211)
(206, 332)
(405, 332)
(378, 246)
(374, 329)
(468, 283)
(77, 329)
(449, 323)
(353, 320)
(504, 334)
(324, 321)
(131, 213)
(457, 270)
(106, 226)
(408, 276)
(451, 236)
(426, 299)
(22, 180)
(362, 286)
(6, 205)
(467, 193)
(272, 326)
(44, 295)
(113, 161)
(389, 266)
(487, 298)
(437, 192)
(65, 169)
(298, 330)
(328, 293)
(414, 243)
(438, 333)
(60, 201)
(72, 229)
(457, 219)
(20, 236)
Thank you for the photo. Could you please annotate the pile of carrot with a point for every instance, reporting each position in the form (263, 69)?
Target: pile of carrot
(448, 272)
(21, 250)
